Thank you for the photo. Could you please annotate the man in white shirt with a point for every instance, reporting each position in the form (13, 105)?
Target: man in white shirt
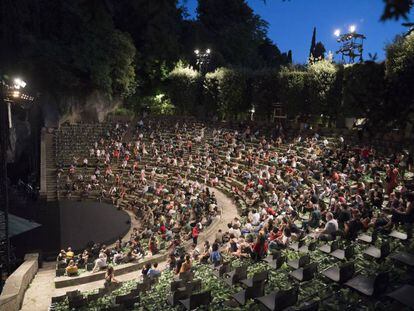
(100, 263)
(255, 218)
(235, 231)
(331, 227)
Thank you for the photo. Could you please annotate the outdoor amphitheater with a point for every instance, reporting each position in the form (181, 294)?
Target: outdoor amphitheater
(206, 155)
(132, 193)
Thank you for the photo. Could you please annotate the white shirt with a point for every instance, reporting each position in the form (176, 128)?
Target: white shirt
(255, 219)
(331, 226)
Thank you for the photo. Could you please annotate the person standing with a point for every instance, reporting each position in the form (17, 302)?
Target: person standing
(391, 178)
(194, 234)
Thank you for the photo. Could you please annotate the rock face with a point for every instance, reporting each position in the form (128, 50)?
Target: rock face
(92, 108)
(50, 112)
(19, 136)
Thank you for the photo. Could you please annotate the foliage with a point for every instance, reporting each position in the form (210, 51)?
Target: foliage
(319, 51)
(184, 88)
(293, 90)
(158, 104)
(396, 9)
(155, 27)
(69, 47)
(363, 89)
(265, 91)
(322, 75)
(399, 70)
(231, 88)
(236, 34)
(122, 111)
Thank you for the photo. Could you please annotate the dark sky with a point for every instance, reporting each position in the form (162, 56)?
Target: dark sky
(291, 23)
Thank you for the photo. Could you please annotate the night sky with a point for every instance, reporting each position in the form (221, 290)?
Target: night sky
(291, 23)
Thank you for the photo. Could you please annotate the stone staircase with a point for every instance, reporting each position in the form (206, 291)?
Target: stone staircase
(51, 174)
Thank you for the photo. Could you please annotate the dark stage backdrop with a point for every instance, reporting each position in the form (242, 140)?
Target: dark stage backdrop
(82, 222)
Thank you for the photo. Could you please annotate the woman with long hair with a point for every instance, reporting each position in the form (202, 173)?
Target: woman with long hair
(110, 276)
(259, 249)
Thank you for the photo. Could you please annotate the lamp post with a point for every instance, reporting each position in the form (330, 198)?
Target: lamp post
(8, 95)
(252, 111)
(352, 44)
(202, 59)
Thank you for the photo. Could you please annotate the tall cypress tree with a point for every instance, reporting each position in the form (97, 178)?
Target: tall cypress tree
(289, 56)
(313, 44)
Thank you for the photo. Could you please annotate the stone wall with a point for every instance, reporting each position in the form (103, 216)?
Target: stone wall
(43, 184)
(12, 295)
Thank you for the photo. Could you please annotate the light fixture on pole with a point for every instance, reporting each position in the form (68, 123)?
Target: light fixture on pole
(352, 44)
(252, 111)
(10, 92)
(202, 59)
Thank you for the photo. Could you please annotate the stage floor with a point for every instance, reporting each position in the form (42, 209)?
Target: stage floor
(84, 221)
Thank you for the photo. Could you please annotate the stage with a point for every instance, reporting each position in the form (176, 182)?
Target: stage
(84, 221)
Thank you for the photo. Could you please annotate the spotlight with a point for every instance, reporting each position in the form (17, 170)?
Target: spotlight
(197, 52)
(352, 28)
(208, 51)
(19, 83)
(337, 32)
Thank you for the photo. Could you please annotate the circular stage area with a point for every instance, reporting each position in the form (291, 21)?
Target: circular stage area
(82, 222)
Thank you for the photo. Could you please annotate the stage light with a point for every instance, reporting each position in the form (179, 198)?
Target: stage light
(337, 32)
(208, 51)
(19, 83)
(352, 28)
(197, 52)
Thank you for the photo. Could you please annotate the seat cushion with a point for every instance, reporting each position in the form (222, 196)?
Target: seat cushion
(404, 257)
(365, 238)
(404, 295)
(268, 300)
(294, 246)
(240, 297)
(293, 263)
(339, 253)
(297, 274)
(362, 284)
(247, 282)
(325, 248)
(332, 273)
(398, 235)
(373, 252)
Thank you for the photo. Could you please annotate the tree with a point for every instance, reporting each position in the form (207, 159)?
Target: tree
(237, 36)
(155, 27)
(396, 9)
(183, 88)
(319, 51)
(265, 91)
(70, 48)
(363, 90)
(293, 90)
(289, 57)
(399, 71)
(230, 87)
(313, 44)
(322, 75)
